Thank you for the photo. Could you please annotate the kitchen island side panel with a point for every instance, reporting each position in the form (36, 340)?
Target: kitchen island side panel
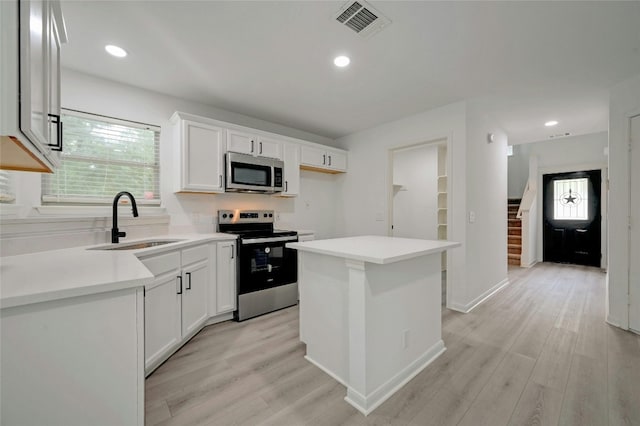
(403, 317)
(323, 284)
(391, 312)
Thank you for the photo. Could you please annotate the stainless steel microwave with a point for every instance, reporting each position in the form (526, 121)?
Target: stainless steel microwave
(245, 173)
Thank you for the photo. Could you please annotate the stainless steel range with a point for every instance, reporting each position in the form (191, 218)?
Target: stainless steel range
(267, 270)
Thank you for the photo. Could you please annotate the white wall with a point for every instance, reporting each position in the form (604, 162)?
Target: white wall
(624, 102)
(574, 151)
(415, 204)
(191, 212)
(477, 180)
(486, 178)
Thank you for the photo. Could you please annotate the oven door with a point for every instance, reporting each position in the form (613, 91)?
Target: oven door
(266, 263)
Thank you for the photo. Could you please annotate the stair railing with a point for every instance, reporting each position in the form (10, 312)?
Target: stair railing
(527, 214)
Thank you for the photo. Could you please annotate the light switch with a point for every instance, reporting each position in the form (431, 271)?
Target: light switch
(472, 217)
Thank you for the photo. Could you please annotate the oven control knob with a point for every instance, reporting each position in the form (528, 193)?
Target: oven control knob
(270, 214)
(265, 215)
(230, 215)
(224, 215)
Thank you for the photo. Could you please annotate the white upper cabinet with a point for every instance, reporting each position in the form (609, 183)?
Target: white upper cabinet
(291, 170)
(199, 152)
(322, 159)
(30, 126)
(253, 144)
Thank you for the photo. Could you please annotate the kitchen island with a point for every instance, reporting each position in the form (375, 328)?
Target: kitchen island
(370, 311)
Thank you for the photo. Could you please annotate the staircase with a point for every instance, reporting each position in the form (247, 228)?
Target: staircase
(514, 233)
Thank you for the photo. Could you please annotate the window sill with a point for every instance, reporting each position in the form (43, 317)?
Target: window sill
(97, 211)
(10, 210)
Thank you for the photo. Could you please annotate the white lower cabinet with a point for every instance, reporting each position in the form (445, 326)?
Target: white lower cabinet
(75, 361)
(226, 277)
(176, 302)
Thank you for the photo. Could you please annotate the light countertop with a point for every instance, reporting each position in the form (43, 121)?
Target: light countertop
(375, 249)
(79, 271)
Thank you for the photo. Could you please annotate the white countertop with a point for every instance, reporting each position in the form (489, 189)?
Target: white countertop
(59, 274)
(375, 249)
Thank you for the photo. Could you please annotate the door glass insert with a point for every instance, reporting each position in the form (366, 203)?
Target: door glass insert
(570, 199)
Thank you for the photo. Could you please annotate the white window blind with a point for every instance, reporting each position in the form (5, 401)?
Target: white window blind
(7, 191)
(103, 156)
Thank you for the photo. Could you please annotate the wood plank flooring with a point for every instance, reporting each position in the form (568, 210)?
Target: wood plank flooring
(538, 353)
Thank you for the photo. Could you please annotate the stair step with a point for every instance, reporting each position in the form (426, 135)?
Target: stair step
(514, 231)
(514, 249)
(513, 261)
(514, 239)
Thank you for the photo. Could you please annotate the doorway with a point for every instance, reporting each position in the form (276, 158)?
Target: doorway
(418, 202)
(572, 218)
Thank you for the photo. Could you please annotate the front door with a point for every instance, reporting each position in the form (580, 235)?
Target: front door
(572, 218)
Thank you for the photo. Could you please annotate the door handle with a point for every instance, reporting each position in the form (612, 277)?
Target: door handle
(324, 159)
(329, 160)
(252, 142)
(58, 122)
(189, 281)
(286, 186)
(180, 282)
(260, 147)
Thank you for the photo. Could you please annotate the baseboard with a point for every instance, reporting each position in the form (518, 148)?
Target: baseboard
(367, 403)
(533, 262)
(478, 300)
(329, 372)
(614, 322)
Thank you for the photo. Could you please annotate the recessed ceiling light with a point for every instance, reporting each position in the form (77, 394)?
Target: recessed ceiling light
(551, 123)
(116, 51)
(341, 61)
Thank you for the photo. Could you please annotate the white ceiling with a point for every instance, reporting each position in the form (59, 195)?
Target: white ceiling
(533, 61)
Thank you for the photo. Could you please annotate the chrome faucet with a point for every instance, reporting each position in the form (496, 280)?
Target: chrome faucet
(115, 234)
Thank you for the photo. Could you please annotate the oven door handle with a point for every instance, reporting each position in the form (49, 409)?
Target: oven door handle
(247, 241)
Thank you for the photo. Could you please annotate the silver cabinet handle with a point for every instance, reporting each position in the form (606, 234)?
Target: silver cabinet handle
(329, 160)
(252, 146)
(260, 147)
(180, 281)
(220, 179)
(324, 159)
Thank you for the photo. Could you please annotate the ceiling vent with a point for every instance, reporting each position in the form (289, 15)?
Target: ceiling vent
(362, 18)
(560, 135)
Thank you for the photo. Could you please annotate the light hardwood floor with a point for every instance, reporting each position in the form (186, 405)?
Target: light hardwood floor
(537, 353)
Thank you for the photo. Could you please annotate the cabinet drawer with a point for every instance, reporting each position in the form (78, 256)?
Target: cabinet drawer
(195, 254)
(162, 263)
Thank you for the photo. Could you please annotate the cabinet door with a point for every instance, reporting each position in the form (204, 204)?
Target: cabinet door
(162, 317)
(269, 148)
(33, 72)
(54, 123)
(337, 160)
(194, 296)
(244, 143)
(291, 170)
(226, 276)
(202, 158)
(314, 157)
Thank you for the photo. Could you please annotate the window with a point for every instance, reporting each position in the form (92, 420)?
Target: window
(570, 199)
(7, 192)
(103, 156)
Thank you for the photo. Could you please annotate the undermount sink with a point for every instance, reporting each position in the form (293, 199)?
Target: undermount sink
(135, 246)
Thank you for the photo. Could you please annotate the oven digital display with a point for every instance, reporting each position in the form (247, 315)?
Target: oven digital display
(249, 215)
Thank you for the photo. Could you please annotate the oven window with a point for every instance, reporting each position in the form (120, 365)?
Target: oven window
(249, 174)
